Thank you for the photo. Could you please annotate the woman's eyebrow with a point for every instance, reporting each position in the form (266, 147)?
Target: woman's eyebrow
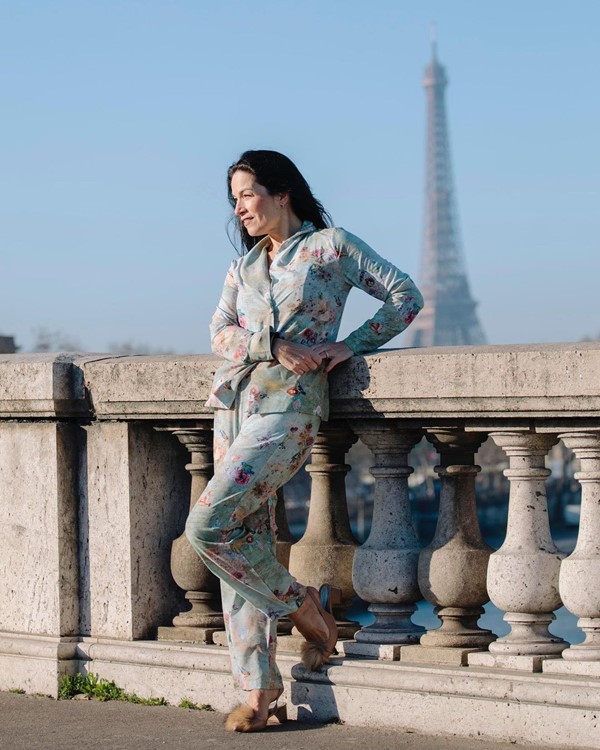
(243, 190)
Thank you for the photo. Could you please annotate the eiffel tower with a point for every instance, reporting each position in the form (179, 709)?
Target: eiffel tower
(449, 316)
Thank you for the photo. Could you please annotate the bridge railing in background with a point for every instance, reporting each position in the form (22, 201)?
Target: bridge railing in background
(102, 457)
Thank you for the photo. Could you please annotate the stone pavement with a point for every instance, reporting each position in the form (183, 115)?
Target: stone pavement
(39, 723)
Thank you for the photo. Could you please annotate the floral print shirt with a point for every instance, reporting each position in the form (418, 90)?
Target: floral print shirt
(301, 297)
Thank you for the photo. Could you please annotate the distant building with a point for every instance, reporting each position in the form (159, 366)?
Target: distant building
(7, 345)
(449, 316)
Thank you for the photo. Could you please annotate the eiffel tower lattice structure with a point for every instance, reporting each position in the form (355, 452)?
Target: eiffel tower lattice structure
(449, 317)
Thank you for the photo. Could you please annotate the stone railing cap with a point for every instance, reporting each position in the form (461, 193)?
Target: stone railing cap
(151, 387)
(525, 380)
(43, 385)
(489, 382)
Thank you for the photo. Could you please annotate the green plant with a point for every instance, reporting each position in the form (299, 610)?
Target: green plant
(19, 691)
(187, 703)
(133, 698)
(101, 689)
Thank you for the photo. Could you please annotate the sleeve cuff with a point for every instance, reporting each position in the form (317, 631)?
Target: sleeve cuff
(259, 349)
(353, 343)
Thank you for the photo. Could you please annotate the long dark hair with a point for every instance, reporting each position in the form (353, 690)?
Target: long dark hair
(277, 174)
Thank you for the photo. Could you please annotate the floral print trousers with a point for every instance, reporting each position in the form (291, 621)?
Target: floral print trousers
(232, 527)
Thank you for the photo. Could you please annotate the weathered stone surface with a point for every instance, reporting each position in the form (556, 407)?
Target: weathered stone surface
(188, 570)
(470, 381)
(36, 663)
(453, 656)
(562, 666)
(106, 572)
(151, 387)
(325, 552)
(520, 662)
(523, 574)
(510, 706)
(386, 651)
(137, 503)
(579, 581)
(183, 634)
(544, 380)
(39, 489)
(42, 385)
(384, 571)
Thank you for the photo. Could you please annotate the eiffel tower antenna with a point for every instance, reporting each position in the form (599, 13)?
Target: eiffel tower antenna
(449, 316)
(433, 40)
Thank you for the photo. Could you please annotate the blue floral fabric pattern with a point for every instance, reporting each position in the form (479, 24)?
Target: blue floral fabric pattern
(301, 298)
(232, 527)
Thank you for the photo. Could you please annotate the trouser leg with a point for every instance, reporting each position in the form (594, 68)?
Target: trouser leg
(251, 635)
(230, 527)
(252, 640)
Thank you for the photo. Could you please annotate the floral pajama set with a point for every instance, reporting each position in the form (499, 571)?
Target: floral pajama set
(267, 417)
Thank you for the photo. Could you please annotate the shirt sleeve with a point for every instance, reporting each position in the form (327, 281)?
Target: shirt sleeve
(365, 269)
(231, 340)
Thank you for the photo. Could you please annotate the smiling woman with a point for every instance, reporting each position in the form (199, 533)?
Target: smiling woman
(275, 176)
(259, 212)
(276, 325)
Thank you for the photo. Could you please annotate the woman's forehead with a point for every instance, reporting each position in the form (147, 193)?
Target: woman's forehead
(242, 179)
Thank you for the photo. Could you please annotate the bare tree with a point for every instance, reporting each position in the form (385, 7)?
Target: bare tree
(131, 347)
(47, 340)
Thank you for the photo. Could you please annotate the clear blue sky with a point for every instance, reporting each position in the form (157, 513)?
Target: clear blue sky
(119, 118)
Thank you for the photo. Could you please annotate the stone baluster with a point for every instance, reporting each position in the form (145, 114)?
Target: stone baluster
(189, 572)
(523, 573)
(325, 552)
(453, 568)
(284, 535)
(580, 572)
(385, 567)
(283, 546)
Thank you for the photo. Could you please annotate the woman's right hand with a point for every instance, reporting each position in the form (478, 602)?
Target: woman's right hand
(295, 357)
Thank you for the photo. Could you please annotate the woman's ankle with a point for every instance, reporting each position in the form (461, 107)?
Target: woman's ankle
(260, 698)
(308, 617)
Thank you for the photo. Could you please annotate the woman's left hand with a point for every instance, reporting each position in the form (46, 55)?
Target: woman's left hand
(335, 353)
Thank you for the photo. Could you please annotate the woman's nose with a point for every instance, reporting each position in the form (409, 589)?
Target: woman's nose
(238, 208)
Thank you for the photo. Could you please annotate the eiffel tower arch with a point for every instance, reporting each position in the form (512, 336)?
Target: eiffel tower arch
(449, 317)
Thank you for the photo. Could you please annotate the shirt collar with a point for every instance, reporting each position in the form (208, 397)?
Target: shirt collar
(306, 228)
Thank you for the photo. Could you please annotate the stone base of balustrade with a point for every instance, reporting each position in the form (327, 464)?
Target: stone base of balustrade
(517, 707)
(220, 639)
(521, 662)
(289, 644)
(562, 666)
(292, 644)
(286, 644)
(384, 651)
(454, 657)
(35, 663)
(186, 634)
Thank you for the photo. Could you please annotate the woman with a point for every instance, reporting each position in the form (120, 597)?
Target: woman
(276, 325)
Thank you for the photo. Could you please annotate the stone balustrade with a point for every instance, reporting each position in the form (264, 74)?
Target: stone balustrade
(101, 458)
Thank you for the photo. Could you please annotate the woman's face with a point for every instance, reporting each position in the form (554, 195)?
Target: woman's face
(259, 212)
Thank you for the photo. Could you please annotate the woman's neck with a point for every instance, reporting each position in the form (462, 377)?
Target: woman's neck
(289, 226)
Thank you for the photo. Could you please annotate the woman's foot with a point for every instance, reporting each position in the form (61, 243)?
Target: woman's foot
(317, 624)
(254, 715)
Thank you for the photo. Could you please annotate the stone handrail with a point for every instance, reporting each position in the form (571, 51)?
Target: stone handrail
(98, 451)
